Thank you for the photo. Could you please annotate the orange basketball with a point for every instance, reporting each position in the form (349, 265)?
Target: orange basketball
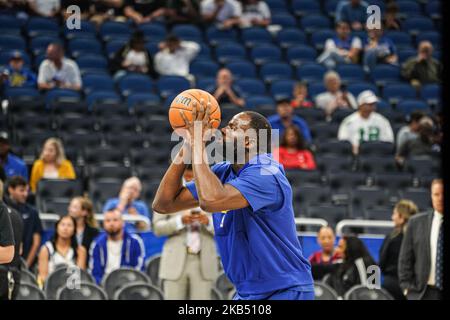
(184, 102)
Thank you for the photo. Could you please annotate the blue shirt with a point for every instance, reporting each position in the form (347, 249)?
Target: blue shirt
(276, 123)
(14, 166)
(20, 78)
(385, 44)
(140, 207)
(258, 244)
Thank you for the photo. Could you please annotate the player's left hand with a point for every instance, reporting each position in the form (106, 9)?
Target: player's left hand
(201, 122)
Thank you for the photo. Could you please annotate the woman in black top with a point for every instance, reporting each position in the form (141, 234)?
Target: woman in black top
(82, 210)
(390, 249)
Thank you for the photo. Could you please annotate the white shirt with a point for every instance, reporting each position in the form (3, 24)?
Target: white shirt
(230, 9)
(114, 249)
(56, 258)
(326, 99)
(258, 11)
(330, 45)
(177, 63)
(438, 218)
(46, 7)
(355, 129)
(69, 72)
(136, 58)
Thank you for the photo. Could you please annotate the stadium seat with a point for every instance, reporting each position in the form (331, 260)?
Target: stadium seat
(215, 35)
(277, 5)
(281, 88)
(41, 26)
(106, 108)
(323, 132)
(311, 72)
(351, 72)
(433, 36)
(323, 291)
(94, 82)
(408, 106)
(393, 181)
(377, 164)
(114, 46)
(26, 276)
(230, 51)
(58, 188)
(82, 139)
(421, 166)
(39, 44)
(400, 38)
(364, 199)
(421, 197)
(264, 53)
(272, 71)
(319, 37)
(361, 292)
(208, 83)
(287, 37)
(313, 22)
(168, 85)
(414, 25)
(431, 93)
(254, 35)
(6, 55)
(83, 291)
(330, 7)
(204, 68)
(152, 269)
(139, 291)
(257, 102)
(302, 177)
(143, 103)
(357, 87)
(59, 278)
(98, 97)
(334, 163)
(26, 122)
(298, 54)
(12, 42)
(304, 7)
(383, 73)
(406, 53)
(346, 181)
(311, 115)
(433, 9)
(102, 190)
(332, 214)
(241, 69)
(251, 87)
(135, 83)
(113, 30)
(57, 206)
(223, 284)
(396, 92)
(187, 32)
(339, 115)
(153, 31)
(82, 46)
(30, 292)
(109, 171)
(376, 148)
(97, 155)
(315, 88)
(407, 8)
(92, 62)
(10, 24)
(283, 19)
(310, 195)
(118, 278)
(61, 95)
(87, 30)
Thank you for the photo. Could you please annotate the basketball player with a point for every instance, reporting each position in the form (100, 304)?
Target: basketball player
(252, 209)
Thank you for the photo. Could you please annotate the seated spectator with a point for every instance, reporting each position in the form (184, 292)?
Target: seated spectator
(255, 13)
(52, 164)
(327, 256)
(391, 20)
(183, 11)
(16, 74)
(144, 11)
(32, 226)
(224, 91)
(63, 249)
(378, 49)
(115, 248)
(409, 132)
(422, 145)
(343, 48)
(336, 96)
(128, 203)
(365, 124)
(422, 69)
(133, 57)
(390, 249)
(225, 13)
(300, 94)
(293, 152)
(104, 10)
(284, 118)
(82, 210)
(57, 71)
(45, 8)
(175, 56)
(354, 12)
(12, 164)
(353, 269)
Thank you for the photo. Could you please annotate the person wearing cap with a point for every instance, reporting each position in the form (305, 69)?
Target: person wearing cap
(285, 117)
(365, 124)
(16, 74)
(12, 164)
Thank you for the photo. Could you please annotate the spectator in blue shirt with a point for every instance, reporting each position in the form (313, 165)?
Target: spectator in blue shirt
(127, 203)
(378, 49)
(354, 12)
(13, 165)
(284, 118)
(16, 74)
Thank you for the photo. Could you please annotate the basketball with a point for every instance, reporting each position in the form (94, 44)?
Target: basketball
(185, 102)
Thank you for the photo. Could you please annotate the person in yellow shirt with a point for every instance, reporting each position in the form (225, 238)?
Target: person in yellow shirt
(52, 164)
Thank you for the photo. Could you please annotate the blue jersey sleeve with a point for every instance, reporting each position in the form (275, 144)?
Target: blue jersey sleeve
(218, 169)
(259, 187)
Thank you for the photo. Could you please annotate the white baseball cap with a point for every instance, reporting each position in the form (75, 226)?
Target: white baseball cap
(367, 97)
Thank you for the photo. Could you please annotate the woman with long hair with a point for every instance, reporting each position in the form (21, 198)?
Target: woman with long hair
(62, 249)
(52, 164)
(390, 249)
(293, 153)
(82, 210)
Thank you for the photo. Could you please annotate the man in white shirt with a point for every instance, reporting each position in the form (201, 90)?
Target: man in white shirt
(227, 13)
(422, 254)
(45, 8)
(174, 56)
(365, 124)
(57, 71)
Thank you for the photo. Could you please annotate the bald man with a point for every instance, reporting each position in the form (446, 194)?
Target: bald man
(225, 91)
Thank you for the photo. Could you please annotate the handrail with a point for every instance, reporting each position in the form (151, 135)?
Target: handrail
(362, 223)
(52, 217)
(311, 222)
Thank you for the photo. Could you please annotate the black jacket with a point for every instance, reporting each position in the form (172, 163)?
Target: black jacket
(89, 235)
(389, 252)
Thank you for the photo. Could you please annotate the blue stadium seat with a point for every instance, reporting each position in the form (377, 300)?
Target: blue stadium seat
(383, 73)
(251, 86)
(59, 94)
(242, 69)
(324, 132)
(433, 9)
(41, 26)
(97, 82)
(135, 83)
(203, 68)
(113, 46)
(378, 148)
(153, 31)
(112, 30)
(405, 54)
(311, 71)
(330, 7)
(305, 7)
(21, 92)
(314, 22)
(284, 20)
(12, 42)
(84, 46)
(143, 98)
(415, 25)
(92, 62)
(152, 47)
(215, 35)
(253, 102)
(97, 97)
(290, 36)
(39, 44)
(10, 24)
(397, 92)
(431, 93)
(298, 54)
(264, 53)
(333, 214)
(408, 8)
(87, 30)
(393, 182)
(205, 51)
(408, 106)
(358, 87)
(282, 88)
(188, 32)
(6, 55)
(168, 85)
(277, 6)
(229, 52)
(351, 72)
(421, 197)
(400, 38)
(311, 115)
(433, 36)
(315, 88)
(275, 70)
(319, 37)
(253, 36)
(384, 107)
(205, 83)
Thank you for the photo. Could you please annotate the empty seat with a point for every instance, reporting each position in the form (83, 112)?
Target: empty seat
(118, 278)
(304, 7)
(334, 163)
(376, 148)
(103, 154)
(81, 46)
(408, 106)
(54, 95)
(152, 269)
(324, 292)
(257, 102)
(29, 291)
(263, 53)
(251, 87)
(357, 87)
(319, 37)
(351, 72)
(59, 278)
(168, 85)
(414, 25)
(431, 93)
(12, 42)
(281, 88)
(421, 166)
(188, 32)
(363, 199)
(421, 197)
(393, 181)
(313, 22)
(283, 19)
(361, 292)
(323, 132)
(311, 72)
(254, 35)
(143, 103)
(332, 214)
(58, 188)
(383, 73)
(92, 62)
(27, 277)
(105, 107)
(346, 181)
(109, 171)
(139, 291)
(41, 26)
(57, 206)
(102, 190)
(298, 54)
(135, 83)
(204, 68)
(290, 36)
(154, 31)
(310, 195)
(87, 29)
(114, 46)
(377, 164)
(398, 92)
(224, 285)
(112, 29)
(230, 51)
(215, 35)
(380, 213)
(96, 82)
(275, 70)
(400, 38)
(311, 115)
(241, 69)
(82, 139)
(99, 97)
(300, 177)
(83, 291)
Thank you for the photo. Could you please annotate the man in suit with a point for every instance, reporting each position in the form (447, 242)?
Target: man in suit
(421, 254)
(189, 263)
